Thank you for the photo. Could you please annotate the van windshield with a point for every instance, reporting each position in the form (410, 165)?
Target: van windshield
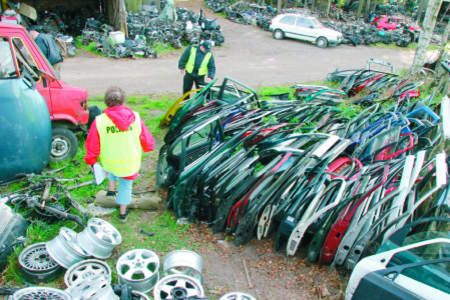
(7, 67)
(25, 61)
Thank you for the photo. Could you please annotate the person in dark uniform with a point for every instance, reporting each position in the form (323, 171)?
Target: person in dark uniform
(198, 66)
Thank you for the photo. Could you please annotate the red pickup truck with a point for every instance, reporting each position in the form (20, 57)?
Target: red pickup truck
(67, 104)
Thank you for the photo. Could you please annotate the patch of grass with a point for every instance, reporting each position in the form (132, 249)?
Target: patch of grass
(162, 48)
(91, 47)
(222, 14)
(266, 91)
(348, 111)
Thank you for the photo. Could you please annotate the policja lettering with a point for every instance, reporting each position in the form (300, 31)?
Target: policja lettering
(114, 129)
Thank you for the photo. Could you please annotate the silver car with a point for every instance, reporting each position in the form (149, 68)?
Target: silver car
(304, 28)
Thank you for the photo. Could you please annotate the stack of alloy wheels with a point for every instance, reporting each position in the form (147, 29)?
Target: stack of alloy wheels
(138, 270)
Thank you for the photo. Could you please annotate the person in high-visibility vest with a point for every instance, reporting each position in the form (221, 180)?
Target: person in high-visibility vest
(116, 140)
(198, 66)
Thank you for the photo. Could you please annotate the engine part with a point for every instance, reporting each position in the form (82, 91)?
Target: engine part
(96, 288)
(183, 262)
(99, 238)
(46, 293)
(177, 287)
(85, 270)
(237, 296)
(139, 268)
(65, 249)
(37, 265)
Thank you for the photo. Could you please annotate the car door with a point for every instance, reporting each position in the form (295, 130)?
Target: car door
(305, 29)
(287, 25)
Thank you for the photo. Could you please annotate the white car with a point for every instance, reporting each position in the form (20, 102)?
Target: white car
(304, 28)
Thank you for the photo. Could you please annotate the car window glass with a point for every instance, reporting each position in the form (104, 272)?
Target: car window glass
(419, 254)
(288, 20)
(302, 22)
(25, 61)
(7, 68)
(435, 275)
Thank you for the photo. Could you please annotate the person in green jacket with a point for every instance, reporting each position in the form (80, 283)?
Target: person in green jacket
(198, 66)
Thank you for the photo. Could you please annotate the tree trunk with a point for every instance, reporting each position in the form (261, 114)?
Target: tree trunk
(279, 5)
(367, 11)
(328, 7)
(425, 35)
(360, 7)
(441, 76)
(133, 5)
(421, 9)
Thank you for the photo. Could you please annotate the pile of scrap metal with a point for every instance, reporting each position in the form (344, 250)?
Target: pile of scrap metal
(243, 12)
(146, 30)
(359, 32)
(45, 22)
(316, 171)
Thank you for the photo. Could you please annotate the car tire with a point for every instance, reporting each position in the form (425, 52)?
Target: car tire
(278, 34)
(322, 42)
(64, 144)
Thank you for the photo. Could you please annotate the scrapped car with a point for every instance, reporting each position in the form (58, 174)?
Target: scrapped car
(415, 271)
(392, 23)
(67, 104)
(304, 28)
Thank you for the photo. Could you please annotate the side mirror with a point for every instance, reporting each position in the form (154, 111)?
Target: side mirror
(311, 26)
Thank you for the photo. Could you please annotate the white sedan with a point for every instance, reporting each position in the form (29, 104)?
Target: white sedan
(304, 28)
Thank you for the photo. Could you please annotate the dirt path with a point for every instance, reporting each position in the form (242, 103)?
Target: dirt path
(249, 55)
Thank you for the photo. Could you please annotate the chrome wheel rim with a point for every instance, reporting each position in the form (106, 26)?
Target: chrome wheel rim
(177, 287)
(138, 268)
(85, 270)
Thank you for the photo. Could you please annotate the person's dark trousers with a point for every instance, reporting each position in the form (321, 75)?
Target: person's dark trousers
(189, 80)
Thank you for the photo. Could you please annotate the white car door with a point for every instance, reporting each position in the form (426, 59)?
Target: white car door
(305, 29)
(287, 25)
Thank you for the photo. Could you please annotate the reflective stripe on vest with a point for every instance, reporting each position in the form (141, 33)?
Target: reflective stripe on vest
(120, 151)
(203, 69)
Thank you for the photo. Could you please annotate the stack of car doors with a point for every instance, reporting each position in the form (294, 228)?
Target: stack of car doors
(304, 171)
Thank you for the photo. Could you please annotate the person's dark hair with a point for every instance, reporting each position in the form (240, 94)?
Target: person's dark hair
(114, 96)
